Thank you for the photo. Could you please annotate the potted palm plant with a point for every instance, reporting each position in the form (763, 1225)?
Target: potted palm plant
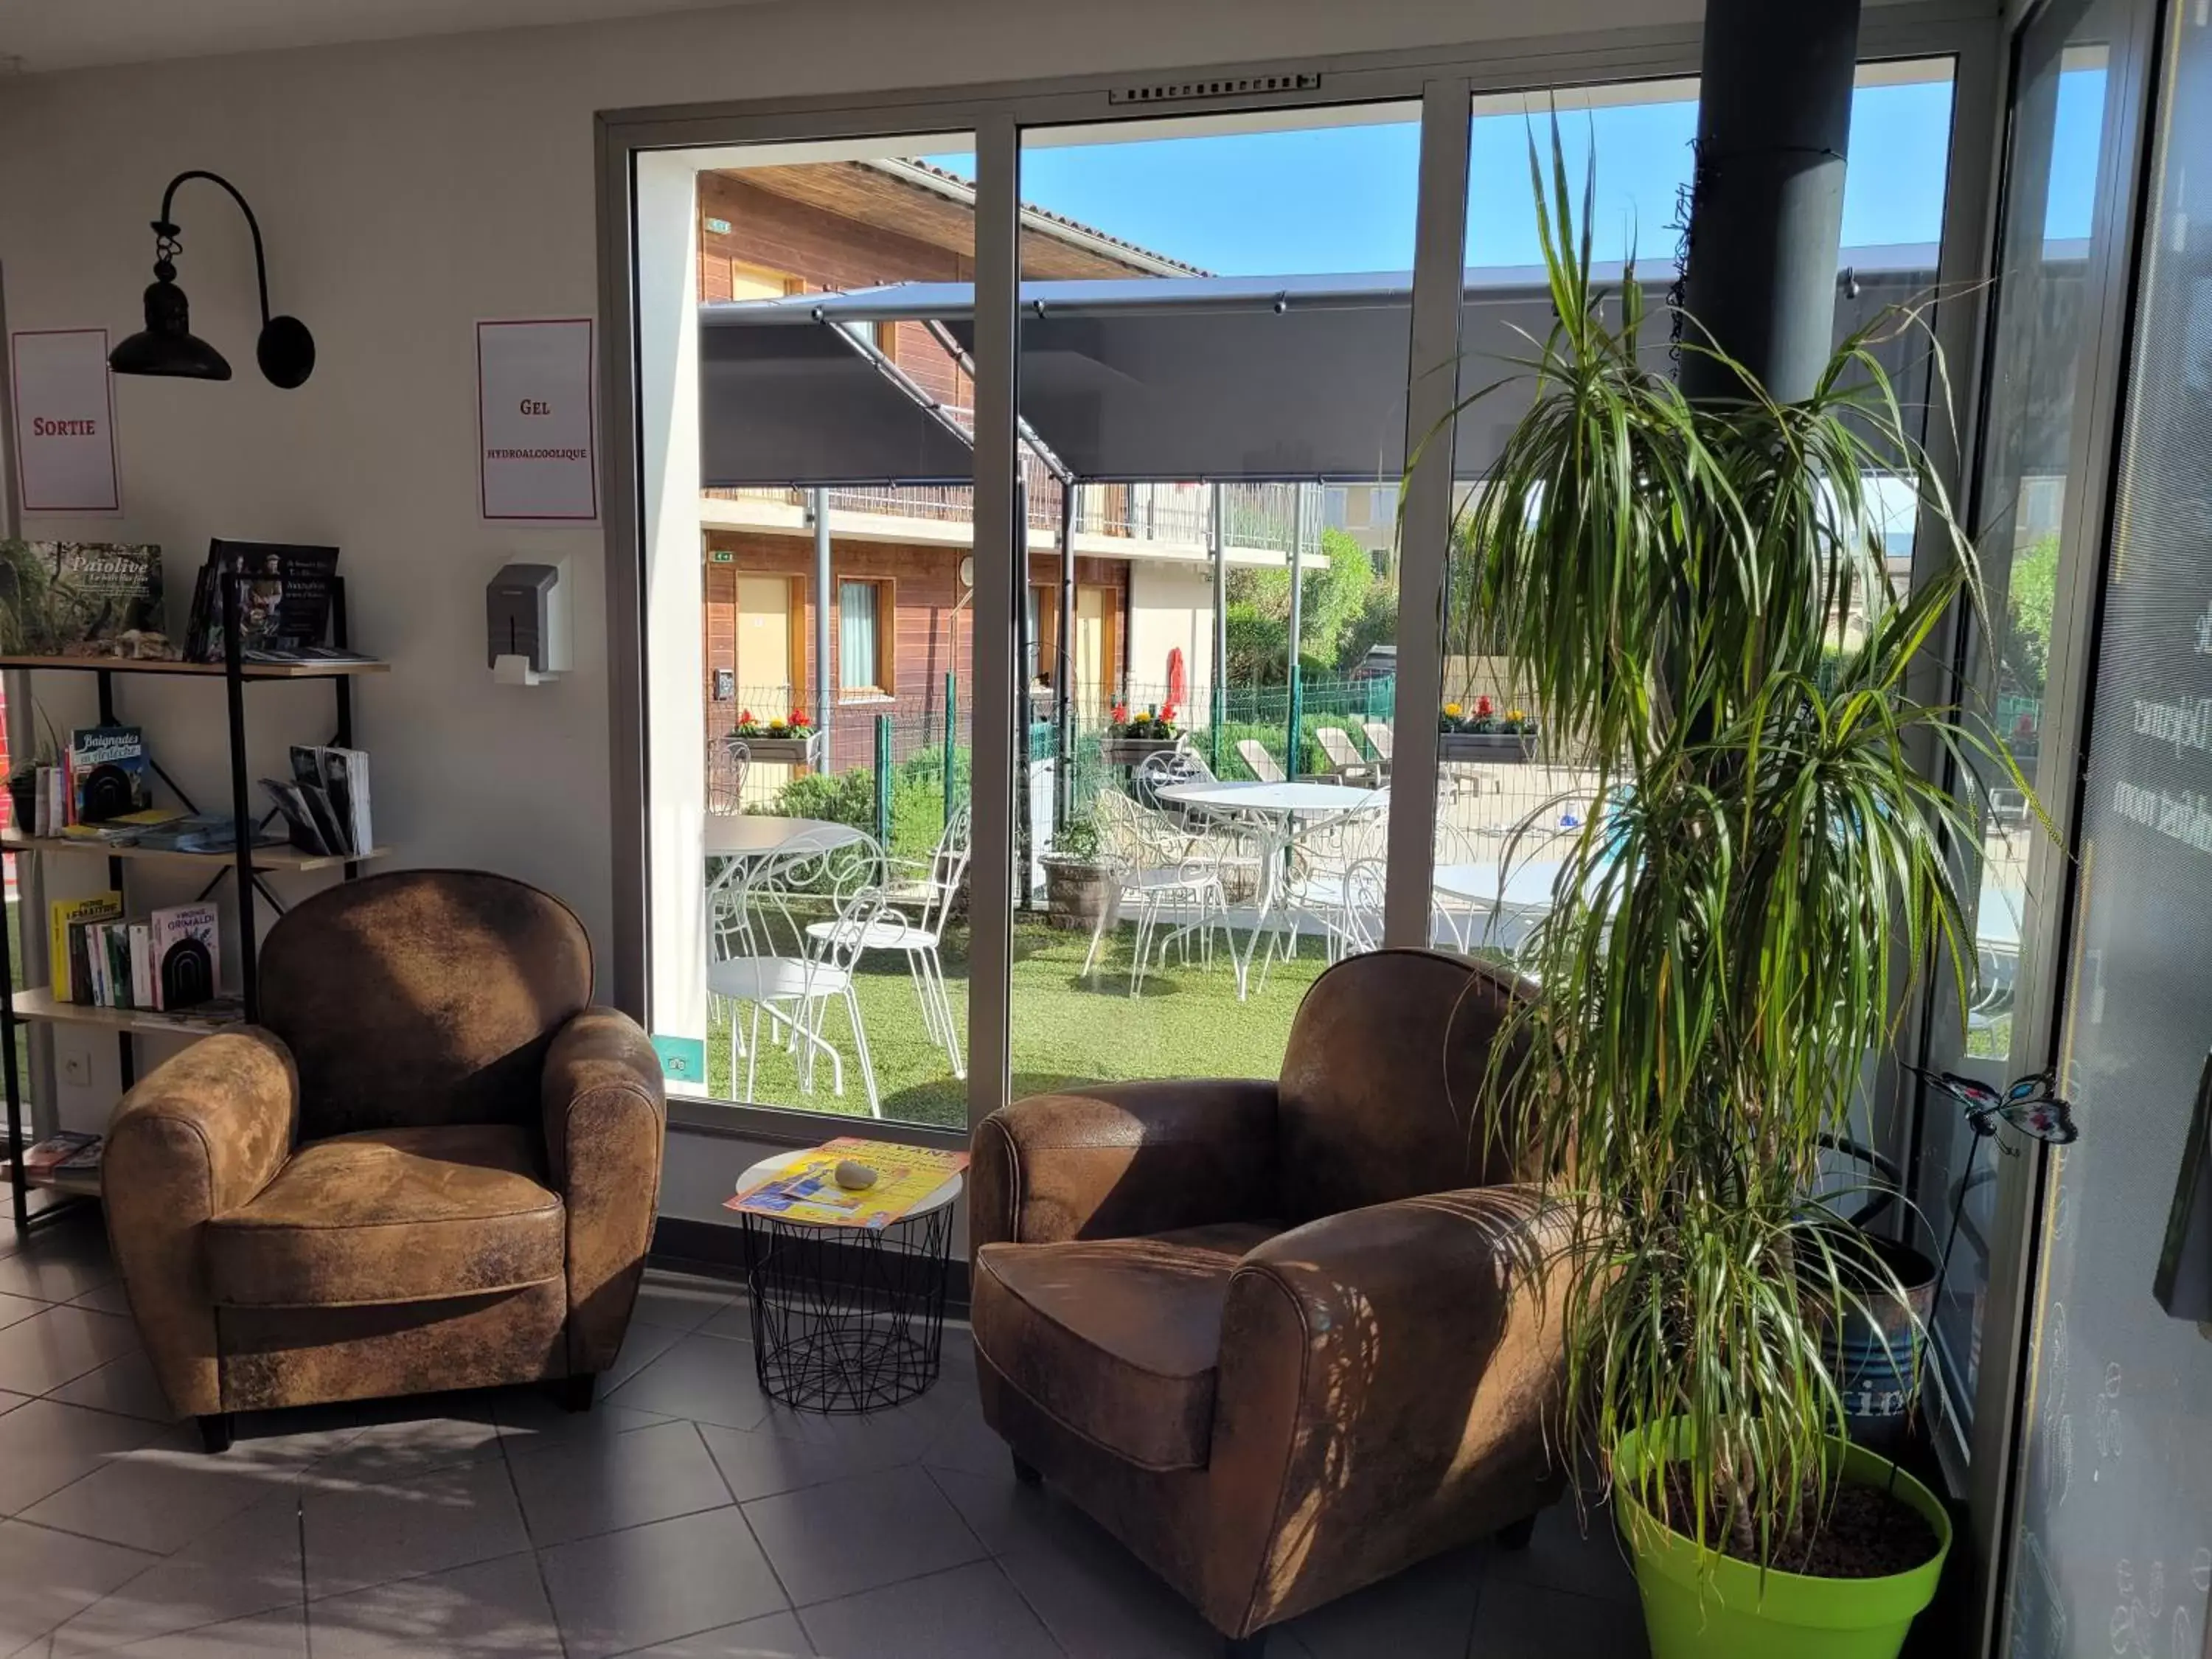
(1767, 847)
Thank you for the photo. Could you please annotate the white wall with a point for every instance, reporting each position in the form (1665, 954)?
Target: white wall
(1170, 608)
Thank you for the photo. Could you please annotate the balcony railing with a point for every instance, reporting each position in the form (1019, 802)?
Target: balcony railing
(1256, 515)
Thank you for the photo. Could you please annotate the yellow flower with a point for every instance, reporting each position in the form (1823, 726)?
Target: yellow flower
(1453, 710)
(1514, 714)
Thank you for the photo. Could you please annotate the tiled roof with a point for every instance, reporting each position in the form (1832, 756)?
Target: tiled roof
(1034, 214)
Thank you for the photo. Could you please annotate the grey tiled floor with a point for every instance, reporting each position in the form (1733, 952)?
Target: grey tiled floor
(684, 1517)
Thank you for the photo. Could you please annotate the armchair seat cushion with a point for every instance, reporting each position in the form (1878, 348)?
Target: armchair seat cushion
(393, 1215)
(1116, 1338)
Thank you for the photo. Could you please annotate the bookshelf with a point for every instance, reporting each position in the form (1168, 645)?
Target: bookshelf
(247, 866)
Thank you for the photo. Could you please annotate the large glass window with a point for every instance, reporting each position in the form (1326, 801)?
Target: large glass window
(810, 624)
(2041, 335)
(2113, 1546)
(1509, 785)
(1214, 316)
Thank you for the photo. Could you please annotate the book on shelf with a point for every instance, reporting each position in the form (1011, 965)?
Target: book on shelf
(65, 1149)
(204, 832)
(186, 947)
(285, 603)
(110, 776)
(67, 920)
(91, 599)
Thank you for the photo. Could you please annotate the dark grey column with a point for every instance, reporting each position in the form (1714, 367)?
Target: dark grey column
(1774, 112)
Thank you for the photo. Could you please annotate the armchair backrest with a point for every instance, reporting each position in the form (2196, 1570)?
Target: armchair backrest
(422, 997)
(1382, 1081)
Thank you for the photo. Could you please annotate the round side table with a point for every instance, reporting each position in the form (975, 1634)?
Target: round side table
(846, 1319)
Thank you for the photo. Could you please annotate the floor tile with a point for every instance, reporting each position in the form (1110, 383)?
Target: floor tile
(14, 1310)
(59, 1344)
(597, 1485)
(967, 1442)
(1006, 1514)
(248, 1564)
(358, 1535)
(47, 1577)
(110, 1298)
(45, 1445)
(641, 1346)
(1526, 1621)
(401, 1438)
(494, 1608)
(278, 1635)
(529, 1418)
(969, 1611)
(126, 1385)
(653, 1583)
(778, 1635)
(10, 1401)
(680, 1302)
(54, 1266)
(1581, 1555)
(702, 1378)
(856, 1534)
(1100, 1602)
(161, 1496)
(762, 1462)
(1423, 1612)
(734, 1321)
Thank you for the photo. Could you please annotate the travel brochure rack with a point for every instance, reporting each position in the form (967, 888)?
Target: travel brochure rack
(246, 864)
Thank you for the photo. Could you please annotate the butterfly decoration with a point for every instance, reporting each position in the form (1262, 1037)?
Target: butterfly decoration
(2027, 1104)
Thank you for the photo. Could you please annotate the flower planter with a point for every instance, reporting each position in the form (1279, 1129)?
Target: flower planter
(1493, 747)
(1078, 892)
(1134, 751)
(785, 751)
(1697, 1605)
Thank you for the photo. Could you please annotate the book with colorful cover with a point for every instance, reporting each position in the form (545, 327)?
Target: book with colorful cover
(186, 942)
(804, 1187)
(67, 919)
(110, 776)
(94, 594)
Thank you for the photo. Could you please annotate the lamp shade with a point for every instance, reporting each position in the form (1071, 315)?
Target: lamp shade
(167, 345)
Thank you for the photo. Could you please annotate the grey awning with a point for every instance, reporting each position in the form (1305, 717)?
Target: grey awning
(1137, 379)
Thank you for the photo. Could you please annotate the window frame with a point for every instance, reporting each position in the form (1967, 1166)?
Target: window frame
(883, 686)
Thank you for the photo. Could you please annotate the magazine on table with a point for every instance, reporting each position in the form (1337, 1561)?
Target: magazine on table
(804, 1190)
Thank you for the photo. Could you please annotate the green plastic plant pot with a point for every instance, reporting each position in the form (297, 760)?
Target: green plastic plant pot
(1700, 1606)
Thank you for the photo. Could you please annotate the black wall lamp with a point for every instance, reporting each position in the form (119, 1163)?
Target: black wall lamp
(168, 346)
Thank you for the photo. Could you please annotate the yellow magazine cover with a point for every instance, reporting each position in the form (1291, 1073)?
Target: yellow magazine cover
(804, 1190)
(63, 914)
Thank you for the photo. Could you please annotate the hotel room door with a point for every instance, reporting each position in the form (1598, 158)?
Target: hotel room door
(765, 678)
(1094, 656)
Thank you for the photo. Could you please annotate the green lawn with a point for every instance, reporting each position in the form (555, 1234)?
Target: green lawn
(1188, 1022)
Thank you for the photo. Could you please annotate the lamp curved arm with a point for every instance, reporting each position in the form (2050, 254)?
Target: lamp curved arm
(166, 229)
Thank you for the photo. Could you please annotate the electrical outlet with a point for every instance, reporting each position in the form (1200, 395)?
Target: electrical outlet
(77, 1068)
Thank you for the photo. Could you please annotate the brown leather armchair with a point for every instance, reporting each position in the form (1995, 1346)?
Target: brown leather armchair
(434, 1165)
(1281, 1339)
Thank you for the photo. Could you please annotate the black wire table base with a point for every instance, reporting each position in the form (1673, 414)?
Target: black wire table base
(846, 1319)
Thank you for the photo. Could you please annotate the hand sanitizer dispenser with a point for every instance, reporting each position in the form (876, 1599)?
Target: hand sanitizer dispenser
(527, 623)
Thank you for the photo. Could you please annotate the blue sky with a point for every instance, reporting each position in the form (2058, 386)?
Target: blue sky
(1342, 198)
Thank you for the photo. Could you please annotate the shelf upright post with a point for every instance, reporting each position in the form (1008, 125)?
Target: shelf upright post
(18, 1188)
(341, 689)
(126, 1052)
(234, 685)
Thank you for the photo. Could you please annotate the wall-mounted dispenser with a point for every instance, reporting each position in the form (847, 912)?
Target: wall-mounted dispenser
(526, 632)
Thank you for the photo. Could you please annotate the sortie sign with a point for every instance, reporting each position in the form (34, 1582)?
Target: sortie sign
(64, 421)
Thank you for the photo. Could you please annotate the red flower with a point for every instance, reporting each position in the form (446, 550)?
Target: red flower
(1167, 713)
(1482, 705)
(744, 717)
(1121, 713)
(799, 717)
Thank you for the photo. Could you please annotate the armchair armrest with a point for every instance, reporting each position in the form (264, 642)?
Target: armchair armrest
(1388, 1376)
(1123, 1158)
(200, 1137)
(604, 1111)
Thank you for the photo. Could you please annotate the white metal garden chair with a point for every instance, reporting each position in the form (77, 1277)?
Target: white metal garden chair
(1162, 872)
(1318, 888)
(786, 972)
(918, 895)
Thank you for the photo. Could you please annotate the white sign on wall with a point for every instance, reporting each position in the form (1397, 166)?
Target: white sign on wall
(537, 421)
(64, 421)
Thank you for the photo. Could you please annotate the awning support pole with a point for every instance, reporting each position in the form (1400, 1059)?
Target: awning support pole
(1024, 856)
(817, 502)
(1217, 544)
(1296, 700)
(1063, 668)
